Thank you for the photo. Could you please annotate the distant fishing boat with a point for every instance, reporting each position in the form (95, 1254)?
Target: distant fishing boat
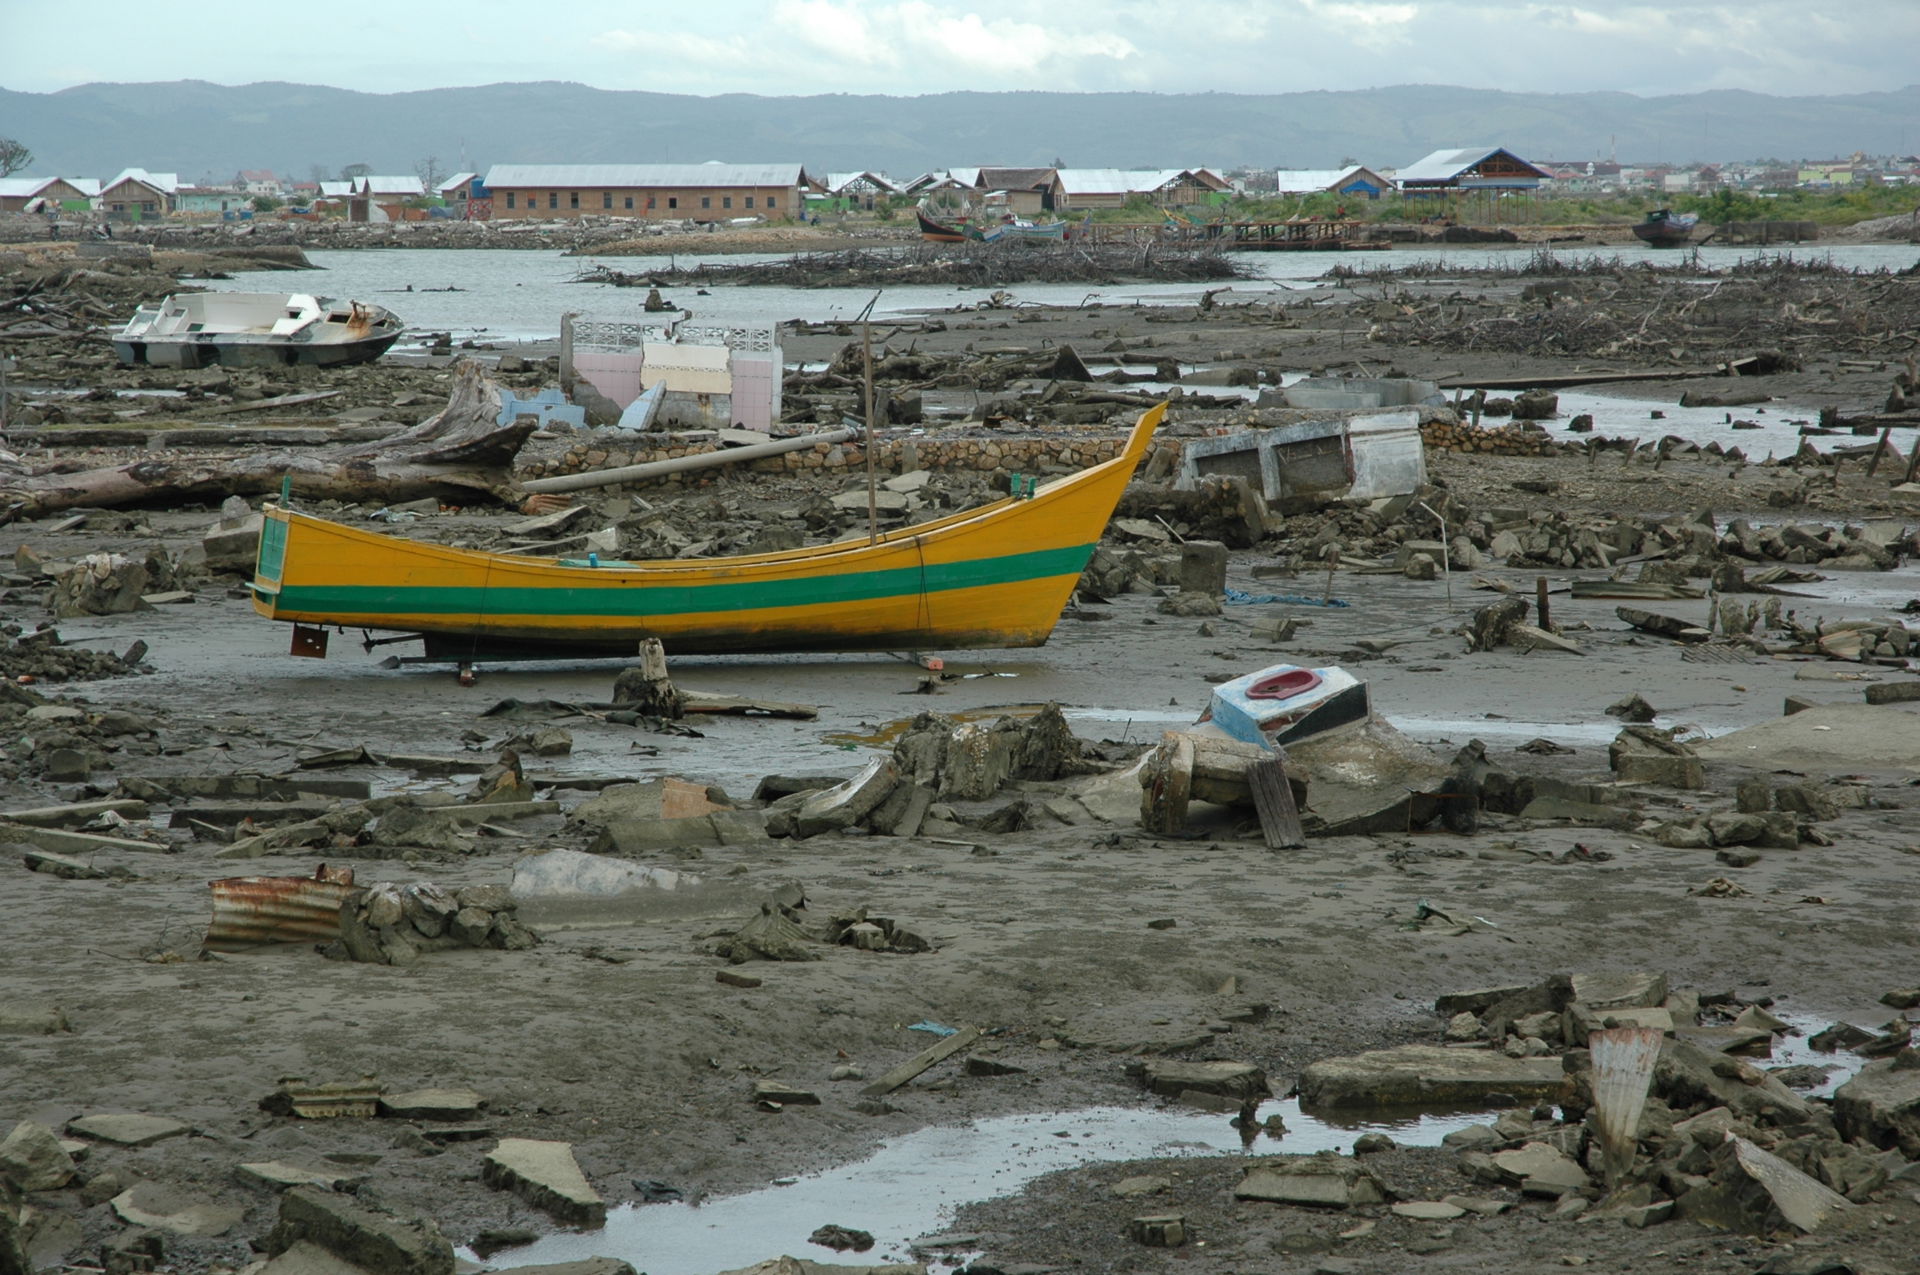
(255, 329)
(939, 232)
(1012, 228)
(996, 576)
(1665, 228)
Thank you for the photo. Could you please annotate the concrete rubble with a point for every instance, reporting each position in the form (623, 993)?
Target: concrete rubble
(680, 1005)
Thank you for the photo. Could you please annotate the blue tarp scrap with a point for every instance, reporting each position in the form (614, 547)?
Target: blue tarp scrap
(1239, 597)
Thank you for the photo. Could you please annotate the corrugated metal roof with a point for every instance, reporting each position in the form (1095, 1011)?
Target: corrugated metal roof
(335, 190)
(1117, 181)
(166, 183)
(1446, 165)
(456, 181)
(393, 185)
(837, 182)
(660, 176)
(1306, 181)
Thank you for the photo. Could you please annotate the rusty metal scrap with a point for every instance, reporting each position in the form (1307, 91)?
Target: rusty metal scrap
(249, 911)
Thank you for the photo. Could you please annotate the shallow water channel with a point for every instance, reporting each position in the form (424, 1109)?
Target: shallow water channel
(910, 1188)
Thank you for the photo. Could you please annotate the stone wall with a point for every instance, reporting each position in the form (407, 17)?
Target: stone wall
(1504, 440)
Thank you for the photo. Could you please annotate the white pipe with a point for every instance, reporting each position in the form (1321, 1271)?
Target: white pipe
(680, 464)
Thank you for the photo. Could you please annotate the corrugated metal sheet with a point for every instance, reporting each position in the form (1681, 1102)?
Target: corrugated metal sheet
(660, 176)
(250, 911)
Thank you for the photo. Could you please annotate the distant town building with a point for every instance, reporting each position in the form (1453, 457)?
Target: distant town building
(860, 190)
(137, 193)
(661, 192)
(259, 181)
(1355, 181)
(1077, 189)
(1470, 168)
(44, 194)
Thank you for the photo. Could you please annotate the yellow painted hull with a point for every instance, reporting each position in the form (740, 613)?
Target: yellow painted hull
(997, 576)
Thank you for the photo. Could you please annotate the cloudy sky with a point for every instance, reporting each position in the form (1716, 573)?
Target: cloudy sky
(780, 47)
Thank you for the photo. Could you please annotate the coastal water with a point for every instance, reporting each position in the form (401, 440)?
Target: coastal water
(520, 295)
(507, 297)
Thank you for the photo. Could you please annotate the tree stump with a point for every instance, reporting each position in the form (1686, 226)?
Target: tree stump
(646, 688)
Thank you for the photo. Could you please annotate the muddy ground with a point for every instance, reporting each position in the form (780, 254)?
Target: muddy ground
(620, 1041)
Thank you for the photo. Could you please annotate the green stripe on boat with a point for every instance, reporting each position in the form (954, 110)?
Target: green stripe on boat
(606, 597)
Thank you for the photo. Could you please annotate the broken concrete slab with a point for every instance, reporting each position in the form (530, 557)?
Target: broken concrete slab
(1237, 1080)
(1620, 990)
(545, 1175)
(277, 1175)
(1425, 1074)
(356, 1234)
(128, 1129)
(845, 804)
(308, 1258)
(1540, 1169)
(433, 1104)
(1831, 737)
(1327, 1181)
(1428, 1211)
(1644, 754)
(162, 1209)
(1881, 1106)
(1755, 1192)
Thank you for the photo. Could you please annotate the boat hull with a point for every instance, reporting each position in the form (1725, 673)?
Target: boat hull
(936, 232)
(255, 329)
(994, 577)
(1661, 237)
(238, 352)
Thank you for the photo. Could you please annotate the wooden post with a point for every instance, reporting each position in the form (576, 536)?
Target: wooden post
(1273, 802)
(566, 355)
(1540, 602)
(873, 497)
(1879, 450)
(1913, 462)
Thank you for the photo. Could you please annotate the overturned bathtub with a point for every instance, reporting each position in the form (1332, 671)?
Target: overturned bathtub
(1306, 465)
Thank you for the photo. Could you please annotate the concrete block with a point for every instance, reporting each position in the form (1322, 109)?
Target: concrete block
(353, 1233)
(545, 1175)
(1425, 1074)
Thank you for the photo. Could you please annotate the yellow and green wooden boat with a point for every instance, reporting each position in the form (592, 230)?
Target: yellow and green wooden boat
(996, 576)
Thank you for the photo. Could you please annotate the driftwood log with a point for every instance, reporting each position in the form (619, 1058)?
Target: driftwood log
(462, 451)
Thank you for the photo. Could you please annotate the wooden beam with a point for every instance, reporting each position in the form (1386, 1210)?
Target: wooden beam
(926, 1058)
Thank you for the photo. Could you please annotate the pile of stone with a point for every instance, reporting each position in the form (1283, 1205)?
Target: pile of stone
(395, 924)
(1870, 546)
(41, 656)
(1721, 1140)
(1501, 440)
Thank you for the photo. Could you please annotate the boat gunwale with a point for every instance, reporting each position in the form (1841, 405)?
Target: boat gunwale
(837, 554)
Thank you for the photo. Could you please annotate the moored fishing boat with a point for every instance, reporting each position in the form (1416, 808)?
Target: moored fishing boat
(996, 576)
(1665, 228)
(936, 231)
(255, 329)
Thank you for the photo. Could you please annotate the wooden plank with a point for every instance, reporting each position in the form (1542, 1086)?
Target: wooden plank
(63, 842)
(1273, 799)
(926, 1058)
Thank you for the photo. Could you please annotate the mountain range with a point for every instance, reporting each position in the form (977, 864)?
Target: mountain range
(202, 130)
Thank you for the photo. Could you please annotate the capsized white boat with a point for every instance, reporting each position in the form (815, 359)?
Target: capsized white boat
(255, 329)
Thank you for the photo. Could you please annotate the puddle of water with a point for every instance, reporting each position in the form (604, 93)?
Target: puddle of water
(912, 1185)
(1778, 433)
(1791, 1049)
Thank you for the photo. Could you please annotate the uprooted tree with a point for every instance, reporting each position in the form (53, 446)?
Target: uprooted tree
(14, 156)
(462, 451)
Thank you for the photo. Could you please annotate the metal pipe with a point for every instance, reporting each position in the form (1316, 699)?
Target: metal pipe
(680, 464)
